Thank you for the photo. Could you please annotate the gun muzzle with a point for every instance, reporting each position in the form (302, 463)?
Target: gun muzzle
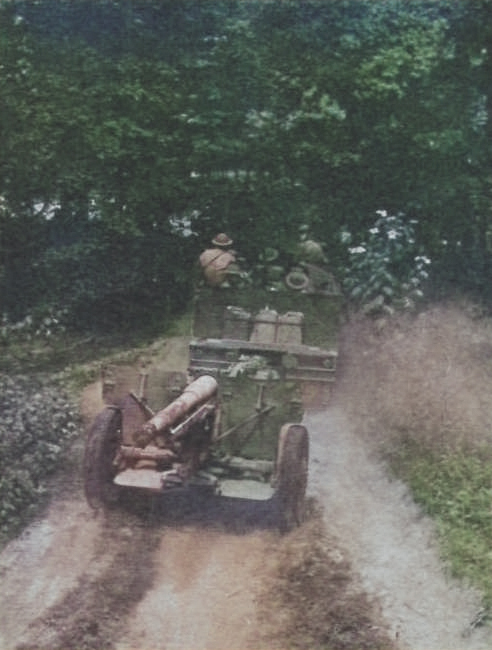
(198, 392)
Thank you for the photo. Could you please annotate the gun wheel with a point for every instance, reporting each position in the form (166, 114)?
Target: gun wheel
(292, 474)
(102, 445)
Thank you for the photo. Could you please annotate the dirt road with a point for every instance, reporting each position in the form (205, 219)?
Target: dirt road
(390, 544)
(146, 576)
(203, 595)
(72, 581)
(186, 577)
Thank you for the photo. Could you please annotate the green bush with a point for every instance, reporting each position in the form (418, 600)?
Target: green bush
(388, 269)
(37, 421)
(456, 490)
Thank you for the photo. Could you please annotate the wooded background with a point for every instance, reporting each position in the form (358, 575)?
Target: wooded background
(132, 131)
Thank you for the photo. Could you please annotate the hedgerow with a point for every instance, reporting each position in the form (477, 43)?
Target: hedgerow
(37, 421)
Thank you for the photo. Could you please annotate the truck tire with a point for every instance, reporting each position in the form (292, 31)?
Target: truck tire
(101, 447)
(292, 474)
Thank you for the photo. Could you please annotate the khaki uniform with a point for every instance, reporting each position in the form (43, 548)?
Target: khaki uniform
(215, 264)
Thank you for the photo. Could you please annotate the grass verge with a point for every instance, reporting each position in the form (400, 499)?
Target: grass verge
(455, 489)
(27, 353)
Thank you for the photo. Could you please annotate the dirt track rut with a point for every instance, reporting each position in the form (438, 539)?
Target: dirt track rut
(131, 581)
(185, 577)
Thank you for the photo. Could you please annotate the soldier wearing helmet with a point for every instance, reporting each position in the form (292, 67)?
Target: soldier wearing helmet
(222, 241)
(219, 263)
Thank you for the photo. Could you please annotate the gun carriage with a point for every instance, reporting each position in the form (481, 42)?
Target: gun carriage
(232, 425)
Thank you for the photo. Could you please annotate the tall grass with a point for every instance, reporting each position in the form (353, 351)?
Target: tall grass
(420, 387)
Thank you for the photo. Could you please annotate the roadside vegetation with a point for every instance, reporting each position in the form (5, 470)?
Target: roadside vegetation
(132, 132)
(38, 422)
(455, 488)
(419, 387)
(131, 137)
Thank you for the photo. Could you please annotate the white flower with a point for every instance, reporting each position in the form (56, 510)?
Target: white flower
(374, 231)
(392, 234)
(356, 250)
(382, 213)
(345, 236)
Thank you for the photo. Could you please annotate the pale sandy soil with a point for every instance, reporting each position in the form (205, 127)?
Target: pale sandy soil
(187, 579)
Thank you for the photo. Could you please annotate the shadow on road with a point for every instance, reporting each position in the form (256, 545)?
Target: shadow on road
(192, 508)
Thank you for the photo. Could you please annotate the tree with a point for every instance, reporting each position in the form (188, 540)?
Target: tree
(123, 122)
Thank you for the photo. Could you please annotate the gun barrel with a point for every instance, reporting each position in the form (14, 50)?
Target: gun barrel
(195, 394)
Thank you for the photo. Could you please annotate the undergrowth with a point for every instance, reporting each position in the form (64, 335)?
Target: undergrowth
(37, 424)
(456, 490)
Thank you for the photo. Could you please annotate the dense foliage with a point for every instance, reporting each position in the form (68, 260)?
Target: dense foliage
(385, 271)
(455, 490)
(37, 421)
(131, 131)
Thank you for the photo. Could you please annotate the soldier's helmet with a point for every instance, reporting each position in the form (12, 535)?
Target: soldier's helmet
(222, 240)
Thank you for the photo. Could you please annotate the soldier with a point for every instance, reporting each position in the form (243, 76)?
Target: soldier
(310, 275)
(220, 262)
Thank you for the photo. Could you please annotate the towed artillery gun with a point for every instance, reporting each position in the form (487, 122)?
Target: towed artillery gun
(234, 426)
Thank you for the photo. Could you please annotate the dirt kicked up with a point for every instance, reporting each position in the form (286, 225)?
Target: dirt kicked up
(214, 573)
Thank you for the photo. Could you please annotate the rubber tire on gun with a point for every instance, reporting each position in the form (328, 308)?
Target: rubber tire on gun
(292, 474)
(102, 444)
